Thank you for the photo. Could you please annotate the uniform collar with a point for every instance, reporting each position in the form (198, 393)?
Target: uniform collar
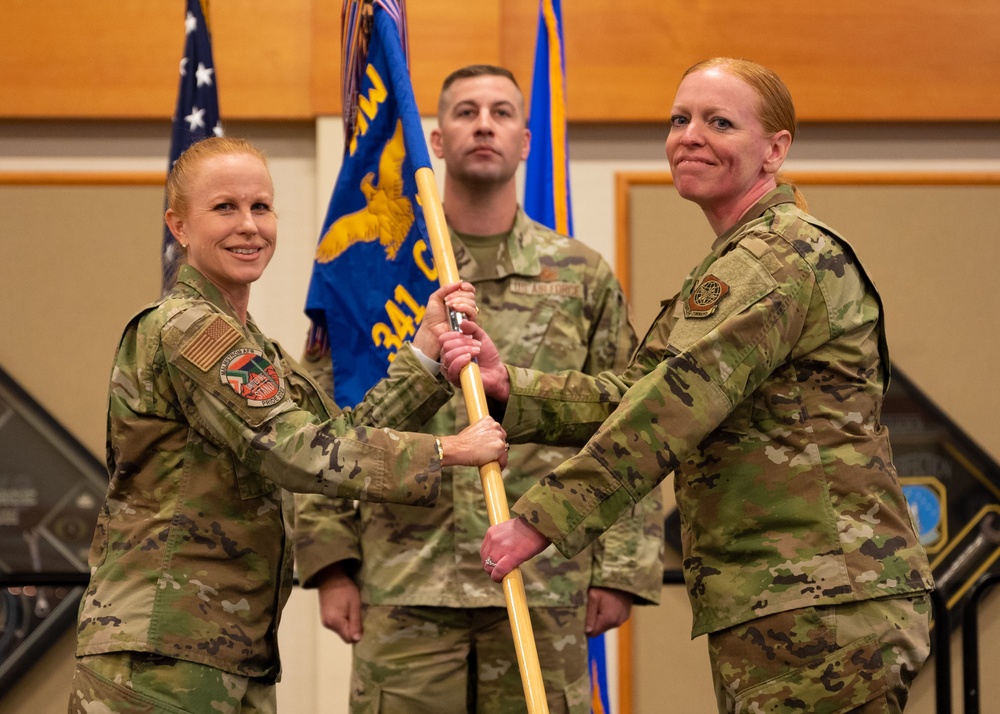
(518, 259)
(782, 194)
(191, 283)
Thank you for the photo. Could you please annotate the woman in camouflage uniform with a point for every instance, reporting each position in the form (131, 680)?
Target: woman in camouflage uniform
(760, 387)
(209, 422)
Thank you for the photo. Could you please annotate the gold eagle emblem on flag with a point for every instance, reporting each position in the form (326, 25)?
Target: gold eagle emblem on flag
(388, 215)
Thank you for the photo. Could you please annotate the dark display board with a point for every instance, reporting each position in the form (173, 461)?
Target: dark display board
(51, 490)
(952, 487)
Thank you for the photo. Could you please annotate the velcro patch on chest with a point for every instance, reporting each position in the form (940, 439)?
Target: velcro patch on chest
(553, 287)
(210, 343)
(705, 298)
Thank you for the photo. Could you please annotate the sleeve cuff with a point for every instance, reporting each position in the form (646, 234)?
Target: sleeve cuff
(430, 365)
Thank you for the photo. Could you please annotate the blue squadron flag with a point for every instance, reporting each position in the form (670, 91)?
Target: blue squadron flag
(547, 199)
(546, 186)
(197, 113)
(374, 269)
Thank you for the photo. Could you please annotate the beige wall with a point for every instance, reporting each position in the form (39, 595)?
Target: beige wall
(57, 290)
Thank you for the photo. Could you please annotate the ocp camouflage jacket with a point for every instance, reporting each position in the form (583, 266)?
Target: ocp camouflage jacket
(208, 422)
(760, 385)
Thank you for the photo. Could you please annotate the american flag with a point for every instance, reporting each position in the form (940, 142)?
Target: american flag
(197, 114)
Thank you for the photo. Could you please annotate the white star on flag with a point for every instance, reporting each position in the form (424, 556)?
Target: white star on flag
(190, 24)
(204, 74)
(196, 119)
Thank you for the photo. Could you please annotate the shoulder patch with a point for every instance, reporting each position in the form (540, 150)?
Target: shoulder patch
(553, 287)
(252, 376)
(704, 299)
(210, 343)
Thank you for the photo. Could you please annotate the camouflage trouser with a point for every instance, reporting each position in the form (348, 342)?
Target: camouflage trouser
(858, 657)
(420, 660)
(139, 683)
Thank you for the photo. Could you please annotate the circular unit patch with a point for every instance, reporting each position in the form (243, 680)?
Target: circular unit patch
(705, 298)
(252, 376)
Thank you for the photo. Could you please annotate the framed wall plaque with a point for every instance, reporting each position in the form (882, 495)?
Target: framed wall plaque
(51, 489)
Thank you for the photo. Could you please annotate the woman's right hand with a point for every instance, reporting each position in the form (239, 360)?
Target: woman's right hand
(460, 348)
(477, 444)
(459, 297)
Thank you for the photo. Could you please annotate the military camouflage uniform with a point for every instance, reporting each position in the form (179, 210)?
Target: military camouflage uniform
(208, 422)
(551, 303)
(760, 385)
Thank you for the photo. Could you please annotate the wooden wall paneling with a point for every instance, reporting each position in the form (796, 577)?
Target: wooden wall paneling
(263, 58)
(518, 33)
(848, 60)
(324, 39)
(89, 59)
(119, 59)
(446, 35)
(83, 178)
(845, 60)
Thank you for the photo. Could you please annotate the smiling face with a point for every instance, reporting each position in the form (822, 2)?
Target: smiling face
(482, 133)
(720, 155)
(227, 222)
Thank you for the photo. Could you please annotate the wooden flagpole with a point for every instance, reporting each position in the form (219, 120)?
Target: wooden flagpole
(492, 480)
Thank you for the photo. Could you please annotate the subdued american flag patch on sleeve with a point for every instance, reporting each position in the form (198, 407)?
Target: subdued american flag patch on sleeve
(210, 343)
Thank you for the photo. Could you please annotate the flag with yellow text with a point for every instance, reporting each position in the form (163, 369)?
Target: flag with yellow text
(196, 115)
(373, 269)
(546, 184)
(547, 200)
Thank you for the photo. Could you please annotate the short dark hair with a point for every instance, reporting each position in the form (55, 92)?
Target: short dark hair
(474, 70)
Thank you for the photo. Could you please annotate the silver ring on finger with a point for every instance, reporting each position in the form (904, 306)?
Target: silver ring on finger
(489, 562)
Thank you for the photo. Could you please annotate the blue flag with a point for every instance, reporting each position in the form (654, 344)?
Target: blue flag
(546, 186)
(547, 200)
(374, 270)
(197, 113)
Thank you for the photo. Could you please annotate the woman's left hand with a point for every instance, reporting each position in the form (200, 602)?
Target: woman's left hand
(460, 297)
(475, 445)
(509, 544)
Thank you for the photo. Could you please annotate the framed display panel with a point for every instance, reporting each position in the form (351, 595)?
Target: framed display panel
(51, 489)
(952, 487)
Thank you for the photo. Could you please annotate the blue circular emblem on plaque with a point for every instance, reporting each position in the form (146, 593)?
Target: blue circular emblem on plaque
(925, 506)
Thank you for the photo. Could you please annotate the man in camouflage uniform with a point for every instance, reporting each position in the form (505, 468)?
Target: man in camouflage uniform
(760, 386)
(433, 634)
(191, 563)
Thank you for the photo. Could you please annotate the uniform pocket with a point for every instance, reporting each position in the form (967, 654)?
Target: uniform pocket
(838, 682)
(739, 420)
(578, 695)
(91, 691)
(250, 483)
(366, 696)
